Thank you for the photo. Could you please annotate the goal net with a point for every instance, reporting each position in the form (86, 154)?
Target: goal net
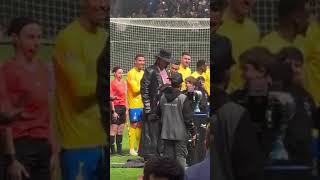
(53, 15)
(147, 36)
(265, 13)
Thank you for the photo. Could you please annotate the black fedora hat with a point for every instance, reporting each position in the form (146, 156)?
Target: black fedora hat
(165, 55)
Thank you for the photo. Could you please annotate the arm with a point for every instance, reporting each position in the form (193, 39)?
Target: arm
(145, 90)
(53, 139)
(188, 116)
(246, 146)
(102, 89)
(15, 170)
(133, 84)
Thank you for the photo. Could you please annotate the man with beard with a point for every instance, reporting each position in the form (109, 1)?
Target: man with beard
(153, 78)
(293, 23)
(242, 32)
(184, 68)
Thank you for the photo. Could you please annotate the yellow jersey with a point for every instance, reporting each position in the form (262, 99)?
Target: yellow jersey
(133, 81)
(185, 72)
(243, 36)
(75, 58)
(312, 60)
(207, 83)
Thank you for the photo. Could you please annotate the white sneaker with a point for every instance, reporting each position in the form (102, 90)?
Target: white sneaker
(133, 152)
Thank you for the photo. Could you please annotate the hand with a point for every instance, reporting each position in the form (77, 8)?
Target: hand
(16, 171)
(54, 162)
(115, 116)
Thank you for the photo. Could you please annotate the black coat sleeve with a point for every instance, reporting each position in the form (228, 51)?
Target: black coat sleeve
(247, 157)
(188, 116)
(145, 90)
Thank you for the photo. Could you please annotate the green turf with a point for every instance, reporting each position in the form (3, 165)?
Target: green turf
(124, 173)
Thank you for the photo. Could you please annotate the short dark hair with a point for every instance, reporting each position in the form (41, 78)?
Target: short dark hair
(200, 63)
(176, 63)
(185, 53)
(137, 56)
(191, 80)
(259, 57)
(289, 53)
(163, 167)
(17, 24)
(115, 69)
(201, 78)
(287, 7)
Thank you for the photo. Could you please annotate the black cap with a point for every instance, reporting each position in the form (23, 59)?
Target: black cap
(176, 79)
(165, 55)
(221, 53)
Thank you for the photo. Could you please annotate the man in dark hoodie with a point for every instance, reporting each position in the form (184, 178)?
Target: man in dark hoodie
(236, 152)
(177, 120)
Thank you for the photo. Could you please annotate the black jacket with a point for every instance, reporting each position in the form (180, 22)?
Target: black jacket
(176, 115)
(150, 89)
(151, 83)
(236, 151)
(299, 133)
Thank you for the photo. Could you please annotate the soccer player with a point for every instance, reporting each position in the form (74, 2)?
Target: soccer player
(29, 86)
(174, 67)
(201, 69)
(81, 132)
(135, 102)
(207, 80)
(118, 89)
(312, 59)
(242, 32)
(293, 21)
(184, 68)
(216, 14)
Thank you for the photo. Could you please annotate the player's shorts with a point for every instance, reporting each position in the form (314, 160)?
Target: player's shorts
(135, 114)
(86, 163)
(121, 111)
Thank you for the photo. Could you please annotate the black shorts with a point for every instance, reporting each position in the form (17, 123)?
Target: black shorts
(121, 111)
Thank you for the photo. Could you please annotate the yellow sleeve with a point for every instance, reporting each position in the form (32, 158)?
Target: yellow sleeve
(135, 86)
(71, 69)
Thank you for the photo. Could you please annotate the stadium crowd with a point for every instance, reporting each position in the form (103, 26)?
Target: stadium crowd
(49, 112)
(161, 8)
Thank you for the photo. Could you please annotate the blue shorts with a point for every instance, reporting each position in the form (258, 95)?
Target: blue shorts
(90, 163)
(135, 114)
